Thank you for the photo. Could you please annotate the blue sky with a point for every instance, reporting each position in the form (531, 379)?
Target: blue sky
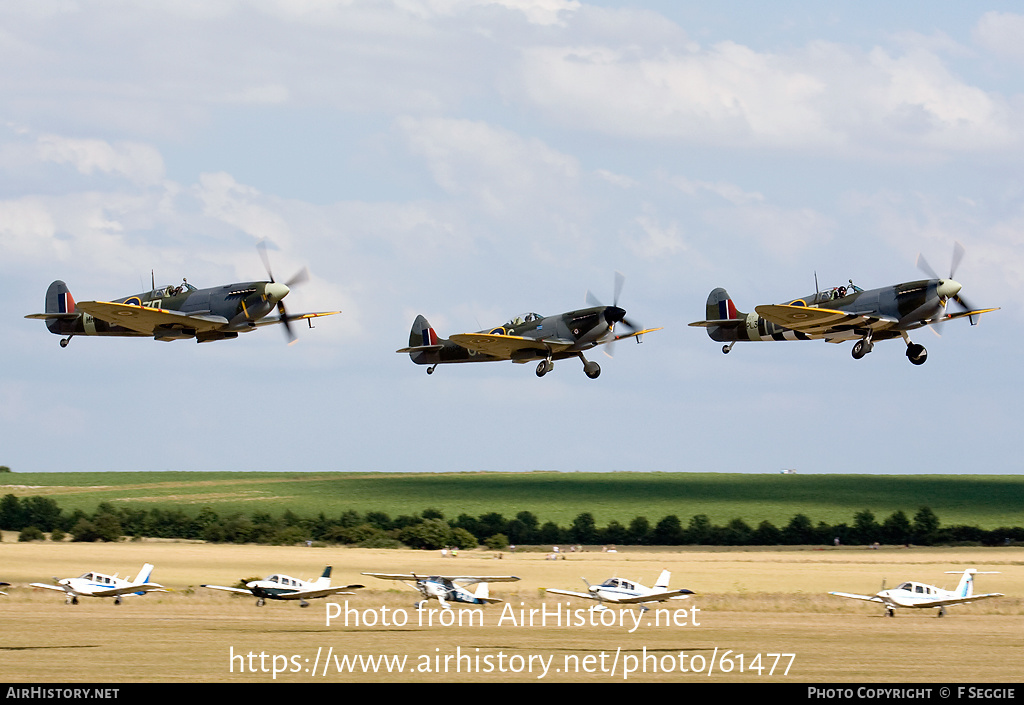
(474, 159)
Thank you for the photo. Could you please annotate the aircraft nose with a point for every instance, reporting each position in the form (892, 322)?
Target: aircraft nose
(275, 291)
(614, 314)
(948, 288)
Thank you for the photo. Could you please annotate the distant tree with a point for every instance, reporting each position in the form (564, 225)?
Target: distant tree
(31, 533)
(737, 533)
(498, 542)
(614, 533)
(583, 529)
(799, 531)
(865, 528)
(465, 540)
(766, 534)
(11, 515)
(925, 526)
(427, 534)
(4, 468)
(639, 531)
(698, 531)
(896, 528)
(668, 531)
(431, 513)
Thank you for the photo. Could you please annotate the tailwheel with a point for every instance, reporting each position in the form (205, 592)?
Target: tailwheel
(64, 341)
(430, 370)
(917, 354)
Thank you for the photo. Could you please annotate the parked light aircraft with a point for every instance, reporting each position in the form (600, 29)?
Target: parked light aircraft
(449, 588)
(617, 591)
(285, 587)
(177, 312)
(93, 584)
(920, 595)
(528, 337)
(4, 585)
(846, 313)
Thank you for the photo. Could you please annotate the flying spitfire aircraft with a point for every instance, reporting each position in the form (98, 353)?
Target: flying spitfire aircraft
(95, 584)
(919, 595)
(617, 591)
(449, 588)
(528, 337)
(846, 313)
(284, 587)
(176, 312)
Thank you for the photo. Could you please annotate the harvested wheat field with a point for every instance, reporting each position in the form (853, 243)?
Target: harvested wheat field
(758, 615)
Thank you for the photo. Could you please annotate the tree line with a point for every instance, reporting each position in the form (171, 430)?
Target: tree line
(36, 516)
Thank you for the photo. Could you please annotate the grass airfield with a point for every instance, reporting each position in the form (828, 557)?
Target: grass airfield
(749, 603)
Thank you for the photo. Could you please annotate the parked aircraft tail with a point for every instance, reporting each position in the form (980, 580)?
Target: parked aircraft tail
(663, 579)
(147, 569)
(325, 578)
(483, 591)
(965, 588)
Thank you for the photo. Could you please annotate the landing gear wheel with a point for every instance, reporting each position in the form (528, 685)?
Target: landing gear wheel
(260, 602)
(117, 600)
(861, 348)
(544, 366)
(430, 370)
(64, 342)
(917, 354)
(592, 370)
(890, 612)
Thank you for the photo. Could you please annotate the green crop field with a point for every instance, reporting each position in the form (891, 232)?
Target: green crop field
(985, 501)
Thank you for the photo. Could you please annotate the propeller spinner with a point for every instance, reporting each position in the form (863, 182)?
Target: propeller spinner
(275, 292)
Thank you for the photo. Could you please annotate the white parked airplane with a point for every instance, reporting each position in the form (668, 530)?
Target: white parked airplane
(617, 591)
(449, 588)
(4, 585)
(285, 587)
(920, 595)
(95, 584)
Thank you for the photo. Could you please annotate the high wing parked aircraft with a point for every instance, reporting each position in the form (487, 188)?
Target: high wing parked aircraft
(923, 596)
(285, 587)
(449, 588)
(617, 591)
(177, 312)
(93, 584)
(528, 337)
(847, 313)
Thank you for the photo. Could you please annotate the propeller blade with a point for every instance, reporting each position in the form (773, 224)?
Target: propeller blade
(958, 255)
(593, 300)
(620, 279)
(923, 265)
(300, 277)
(261, 246)
(286, 322)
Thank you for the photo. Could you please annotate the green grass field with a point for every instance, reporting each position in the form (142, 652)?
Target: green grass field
(986, 501)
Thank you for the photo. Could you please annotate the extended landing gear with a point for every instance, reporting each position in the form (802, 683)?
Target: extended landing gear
(917, 354)
(862, 348)
(64, 341)
(890, 612)
(260, 602)
(544, 366)
(71, 600)
(117, 600)
(590, 369)
(942, 612)
(430, 370)
(727, 348)
(303, 603)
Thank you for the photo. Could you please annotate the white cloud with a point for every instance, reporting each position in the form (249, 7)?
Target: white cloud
(1000, 33)
(137, 162)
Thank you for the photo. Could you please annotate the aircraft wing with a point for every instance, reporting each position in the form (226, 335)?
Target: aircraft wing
(949, 601)
(48, 586)
(721, 323)
(454, 578)
(324, 592)
(242, 591)
(948, 317)
(866, 598)
(128, 589)
(503, 346)
(636, 334)
(44, 316)
(270, 320)
(149, 320)
(653, 597)
(820, 321)
(570, 593)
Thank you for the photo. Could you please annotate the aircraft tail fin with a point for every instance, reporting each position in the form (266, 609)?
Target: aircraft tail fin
(483, 591)
(965, 588)
(59, 299)
(663, 579)
(145, 573)
(325, 577)
(720, 306)
(422, 338)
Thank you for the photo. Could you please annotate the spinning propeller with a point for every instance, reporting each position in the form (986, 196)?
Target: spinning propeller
(613, 314)
(948, 288)
(275, 292)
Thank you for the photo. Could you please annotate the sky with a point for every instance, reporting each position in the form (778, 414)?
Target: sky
(470, 160)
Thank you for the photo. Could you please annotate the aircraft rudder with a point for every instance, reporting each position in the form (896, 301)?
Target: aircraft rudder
(422, 333)
(720, 306)
(663, 579)
(145, 573)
